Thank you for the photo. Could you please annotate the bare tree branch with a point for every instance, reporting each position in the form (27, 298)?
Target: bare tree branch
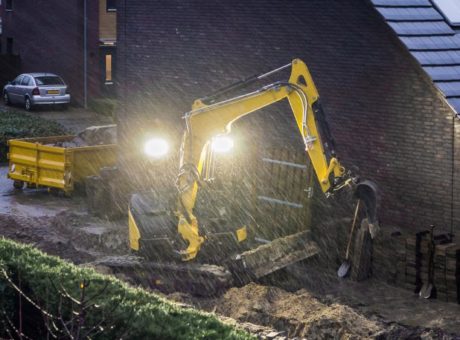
(5, 274)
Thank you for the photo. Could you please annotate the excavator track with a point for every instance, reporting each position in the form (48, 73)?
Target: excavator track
(209, 279)
(193, 278)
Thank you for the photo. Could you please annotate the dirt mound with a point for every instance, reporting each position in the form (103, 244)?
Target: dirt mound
(299, 314)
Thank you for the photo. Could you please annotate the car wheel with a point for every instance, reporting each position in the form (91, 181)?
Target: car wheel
(27, 104)
(63, 107)
(6, 98)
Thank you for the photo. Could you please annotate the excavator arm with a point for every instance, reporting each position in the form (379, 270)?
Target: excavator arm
(204, 122)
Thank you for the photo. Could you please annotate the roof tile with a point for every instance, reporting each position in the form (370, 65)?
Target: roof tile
(444, 73)
(437, 58)
(432, 43)
(450, 89)
(402, 3)
(431, 40)
(418, 28)
(409, 14)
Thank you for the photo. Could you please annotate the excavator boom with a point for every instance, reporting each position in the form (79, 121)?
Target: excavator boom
(207, 121)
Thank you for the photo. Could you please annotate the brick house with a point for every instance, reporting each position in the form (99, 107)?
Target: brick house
(49, 36)
(388, 117)
(1, 26)
(9, 64)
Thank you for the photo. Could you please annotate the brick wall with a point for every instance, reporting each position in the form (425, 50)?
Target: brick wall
(386, 115)
(9, 68)
(48, 36)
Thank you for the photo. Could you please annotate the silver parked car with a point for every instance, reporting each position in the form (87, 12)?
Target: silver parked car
(30, 89)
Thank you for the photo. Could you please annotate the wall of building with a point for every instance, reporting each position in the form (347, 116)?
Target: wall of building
(10, 66)
(388, 119)
(48, 36)
(1, 26)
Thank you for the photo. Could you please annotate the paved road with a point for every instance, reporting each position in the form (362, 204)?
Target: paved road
(74, 119)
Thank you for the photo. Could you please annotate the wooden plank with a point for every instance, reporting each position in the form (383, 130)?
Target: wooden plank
(278, 254)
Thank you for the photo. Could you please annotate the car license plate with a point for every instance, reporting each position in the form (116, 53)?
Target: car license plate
(52, 92)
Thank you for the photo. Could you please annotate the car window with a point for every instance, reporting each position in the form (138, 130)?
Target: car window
(25, 81)
(49, 80)
(18, 80)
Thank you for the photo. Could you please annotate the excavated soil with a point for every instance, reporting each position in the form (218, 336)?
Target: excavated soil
(300, 315)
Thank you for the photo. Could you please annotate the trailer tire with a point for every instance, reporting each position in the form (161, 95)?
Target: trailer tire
(54, 191)
(18, 185)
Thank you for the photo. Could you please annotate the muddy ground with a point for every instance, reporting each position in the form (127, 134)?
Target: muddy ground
(304, 301)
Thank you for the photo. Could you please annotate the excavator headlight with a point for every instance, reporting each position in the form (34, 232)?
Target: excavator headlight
(222, 144)
(156, 147)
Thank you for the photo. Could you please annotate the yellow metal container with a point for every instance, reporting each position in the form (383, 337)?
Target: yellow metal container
(37, 162)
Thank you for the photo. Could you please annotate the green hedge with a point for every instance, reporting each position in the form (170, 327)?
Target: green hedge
(138, 313)
(15, 124)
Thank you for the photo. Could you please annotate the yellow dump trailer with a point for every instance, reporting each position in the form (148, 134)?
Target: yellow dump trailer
(39, 162)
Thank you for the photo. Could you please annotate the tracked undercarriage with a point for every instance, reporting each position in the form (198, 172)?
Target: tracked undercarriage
(205, 279)
(223, 261)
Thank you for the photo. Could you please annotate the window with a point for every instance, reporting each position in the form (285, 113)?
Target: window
(9, 45)
(108, 68)
(9, 5)
(18, 80)
(25, 81)
(49, 80)
(111, 5)
(450, 9)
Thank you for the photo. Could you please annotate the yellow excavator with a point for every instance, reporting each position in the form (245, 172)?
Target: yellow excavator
(172, 240)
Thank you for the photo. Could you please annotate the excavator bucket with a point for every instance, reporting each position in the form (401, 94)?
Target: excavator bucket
(368, 193)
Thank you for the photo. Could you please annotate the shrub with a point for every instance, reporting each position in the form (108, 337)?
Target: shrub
(14, 124)
(142, 314)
